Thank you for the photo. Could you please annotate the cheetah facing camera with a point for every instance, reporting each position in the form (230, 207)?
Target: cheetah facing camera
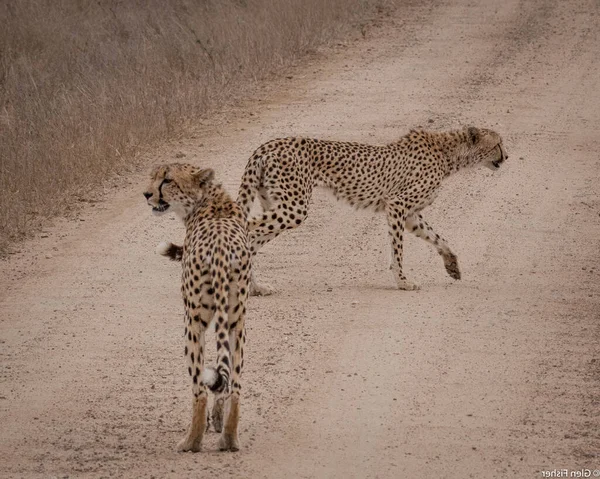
(399, 179)
(216, 271)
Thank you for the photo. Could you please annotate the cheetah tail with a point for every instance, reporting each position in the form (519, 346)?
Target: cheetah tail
(170, 250)
(251, 181)
(217, 379)
(213, 380)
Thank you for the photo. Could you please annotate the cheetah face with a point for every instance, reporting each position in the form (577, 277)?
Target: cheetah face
(488, 147)
(160, 207)
(176, 187)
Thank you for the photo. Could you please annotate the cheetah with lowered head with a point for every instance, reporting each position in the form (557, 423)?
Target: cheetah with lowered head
(400, 179)
(216, 271)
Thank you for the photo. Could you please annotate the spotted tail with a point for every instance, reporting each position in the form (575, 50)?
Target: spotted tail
(217, 379)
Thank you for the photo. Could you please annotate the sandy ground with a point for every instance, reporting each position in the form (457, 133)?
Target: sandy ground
(493, 376)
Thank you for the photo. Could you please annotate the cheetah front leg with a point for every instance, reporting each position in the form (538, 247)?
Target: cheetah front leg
(396, 216)
(419, 227)
(194, 353)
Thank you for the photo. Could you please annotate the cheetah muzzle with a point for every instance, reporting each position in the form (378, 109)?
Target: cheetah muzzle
(500, 160)
(161, 208)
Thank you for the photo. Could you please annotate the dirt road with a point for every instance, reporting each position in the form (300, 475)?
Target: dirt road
(493, 376)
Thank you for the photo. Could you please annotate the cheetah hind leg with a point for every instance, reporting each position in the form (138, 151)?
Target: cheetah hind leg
(229, 440)
(193, 439)
(267, 227)
(255, 288)
(265, 200)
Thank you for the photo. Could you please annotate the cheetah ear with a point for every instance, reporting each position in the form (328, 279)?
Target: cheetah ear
(474, 135)
(204, 177)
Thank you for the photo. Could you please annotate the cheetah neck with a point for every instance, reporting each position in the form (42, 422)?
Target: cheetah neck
(215, 201)
(454, 146)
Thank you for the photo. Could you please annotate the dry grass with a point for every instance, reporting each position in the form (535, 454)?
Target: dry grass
(84, 85)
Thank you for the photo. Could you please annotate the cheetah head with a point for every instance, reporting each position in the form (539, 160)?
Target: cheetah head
(486, 147)
(176, 187)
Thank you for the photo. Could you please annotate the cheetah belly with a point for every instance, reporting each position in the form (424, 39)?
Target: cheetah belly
(359, 193)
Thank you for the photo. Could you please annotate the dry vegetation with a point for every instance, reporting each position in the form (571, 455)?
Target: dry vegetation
(84, 85)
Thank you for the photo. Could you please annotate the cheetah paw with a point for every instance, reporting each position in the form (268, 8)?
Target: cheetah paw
(229, 442)
(260, 290)
(451, 264)
(189, 444)
(407, 285)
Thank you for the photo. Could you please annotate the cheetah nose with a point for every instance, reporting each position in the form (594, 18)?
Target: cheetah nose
(147, 195)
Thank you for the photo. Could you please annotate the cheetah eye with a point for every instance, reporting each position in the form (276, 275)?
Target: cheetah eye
(166, 181)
